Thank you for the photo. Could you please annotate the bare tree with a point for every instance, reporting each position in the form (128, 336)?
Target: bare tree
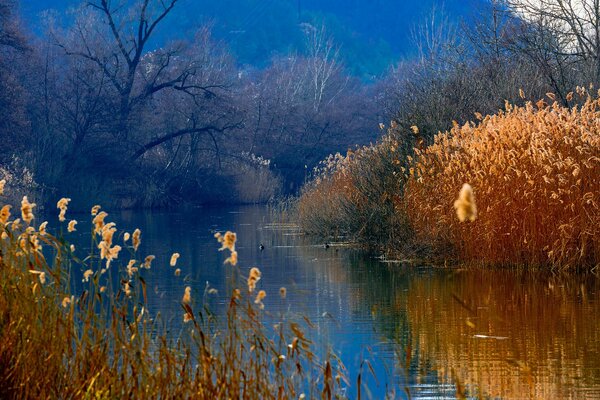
(10, 31)
(14, 121)
(562, 37)
(323, 65)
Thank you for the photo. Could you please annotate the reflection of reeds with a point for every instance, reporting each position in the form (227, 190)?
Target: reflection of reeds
(507, 334)
(101, 341)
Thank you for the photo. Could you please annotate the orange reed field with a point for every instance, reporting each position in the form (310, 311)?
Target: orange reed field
(535, 177)
(521, 187)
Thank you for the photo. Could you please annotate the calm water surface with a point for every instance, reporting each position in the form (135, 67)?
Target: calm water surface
(503, 334)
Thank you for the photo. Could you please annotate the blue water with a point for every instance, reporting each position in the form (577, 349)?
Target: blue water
(498, 333)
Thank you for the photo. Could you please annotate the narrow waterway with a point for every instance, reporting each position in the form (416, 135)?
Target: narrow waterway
(426, 331)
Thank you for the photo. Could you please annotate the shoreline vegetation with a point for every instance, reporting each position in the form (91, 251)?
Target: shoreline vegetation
(528, 177)
(61, 338)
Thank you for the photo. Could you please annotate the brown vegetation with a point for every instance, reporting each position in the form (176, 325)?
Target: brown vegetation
(535, 178)
(356, 195)
(535, 172)
(98, 339)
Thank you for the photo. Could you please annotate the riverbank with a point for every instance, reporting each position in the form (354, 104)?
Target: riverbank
(76, 324)
(534, 171)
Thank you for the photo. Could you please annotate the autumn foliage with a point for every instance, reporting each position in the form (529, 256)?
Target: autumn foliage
(534, 171)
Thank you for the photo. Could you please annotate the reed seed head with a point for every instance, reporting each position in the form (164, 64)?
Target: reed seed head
(71, 226)
(5, 214)
(27, 210)
(136, 239)
(465, 205)
(62, 205)
(174, 258)
(187, 295)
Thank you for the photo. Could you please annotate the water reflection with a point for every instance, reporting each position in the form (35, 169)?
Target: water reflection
(499, 333)
(510, 334)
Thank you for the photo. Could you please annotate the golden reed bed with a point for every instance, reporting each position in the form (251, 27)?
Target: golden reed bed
(532, 176)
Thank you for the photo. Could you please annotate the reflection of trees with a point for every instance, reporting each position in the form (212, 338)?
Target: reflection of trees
(429, 316)
(374, 296)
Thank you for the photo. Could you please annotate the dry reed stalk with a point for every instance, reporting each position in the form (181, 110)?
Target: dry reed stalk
(102, 342)
(535, 171)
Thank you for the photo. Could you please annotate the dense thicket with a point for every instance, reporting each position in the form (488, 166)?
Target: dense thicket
(106, 107)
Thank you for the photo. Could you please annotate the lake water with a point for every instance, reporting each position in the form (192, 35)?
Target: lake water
(425, 330)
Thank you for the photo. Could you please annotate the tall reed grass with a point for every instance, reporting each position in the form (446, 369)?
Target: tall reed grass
(97, 339)
(535, 176)
(356, 196)
(528, 178)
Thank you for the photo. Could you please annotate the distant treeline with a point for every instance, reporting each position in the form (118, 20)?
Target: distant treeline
(98, 108)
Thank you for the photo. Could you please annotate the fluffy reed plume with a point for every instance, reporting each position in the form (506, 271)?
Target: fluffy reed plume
(109, 253)
(136, 239)
(62, 205)
(27, 210)
(537, 174)
(131, 268)
(5, 214)
(67, 340)
(95, 210)
(232, 259)
(126, 237)
(107, 232)
(253, 279)
(98, 222)
(148, 261)
(465, 205)
(71, 226)
(282, 292)
(187, 296)
(174, 258)
(127, 289)
(2, 184)
(259, 299)
(66, 301)
(87, 274)
(41, 275)
(177, 272)
(227, 241)
(42, 228)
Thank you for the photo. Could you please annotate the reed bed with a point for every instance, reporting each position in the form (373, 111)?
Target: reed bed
(97, 339)
(520, 188)
(356, 196)
(535, 178)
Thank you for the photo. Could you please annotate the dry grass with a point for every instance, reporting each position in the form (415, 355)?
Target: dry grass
(101, 342)
(357, 196)
(531, 189)
(535, 174)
